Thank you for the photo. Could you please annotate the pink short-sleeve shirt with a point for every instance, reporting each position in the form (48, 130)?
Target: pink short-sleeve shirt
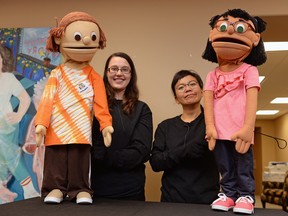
(229, 90)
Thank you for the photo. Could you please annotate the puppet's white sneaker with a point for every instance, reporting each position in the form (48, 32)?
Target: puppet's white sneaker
(54, 197)
(83, 198)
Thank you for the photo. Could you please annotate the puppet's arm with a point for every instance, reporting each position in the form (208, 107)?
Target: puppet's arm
(101, 109)
(244, 136)
(44, 111)
(211, 133)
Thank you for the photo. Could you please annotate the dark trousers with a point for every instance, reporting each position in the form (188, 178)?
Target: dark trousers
(237, 177)
(66, 167)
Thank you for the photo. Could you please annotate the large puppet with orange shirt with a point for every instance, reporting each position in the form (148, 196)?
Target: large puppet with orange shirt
(230, 99)
(72, 93)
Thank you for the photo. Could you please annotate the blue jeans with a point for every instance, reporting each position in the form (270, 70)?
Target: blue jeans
(236, 170)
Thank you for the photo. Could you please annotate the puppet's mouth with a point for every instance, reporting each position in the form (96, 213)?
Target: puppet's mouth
(81, 47)
(230, 40)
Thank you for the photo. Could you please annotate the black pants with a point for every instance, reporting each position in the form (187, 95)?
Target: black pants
(237, 177)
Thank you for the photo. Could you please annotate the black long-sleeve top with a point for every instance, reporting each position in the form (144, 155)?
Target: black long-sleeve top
(181, 151)
(119, 171)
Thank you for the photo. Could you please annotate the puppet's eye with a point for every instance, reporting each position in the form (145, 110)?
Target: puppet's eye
(223, 27)
(240, 28)
(93, 36)
(77, 36)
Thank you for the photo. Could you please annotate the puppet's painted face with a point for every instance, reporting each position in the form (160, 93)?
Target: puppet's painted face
(80, 41)
(233, 39)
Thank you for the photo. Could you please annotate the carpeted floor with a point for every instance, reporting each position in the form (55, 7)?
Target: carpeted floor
(36, 207)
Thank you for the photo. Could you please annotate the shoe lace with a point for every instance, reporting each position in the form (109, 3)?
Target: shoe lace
(222, 197)
(245, 199)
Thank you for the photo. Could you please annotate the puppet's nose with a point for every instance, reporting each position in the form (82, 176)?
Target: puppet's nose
(230, 29)
(86, 40)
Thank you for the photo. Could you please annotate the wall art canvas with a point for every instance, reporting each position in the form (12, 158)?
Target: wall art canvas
(25, 66)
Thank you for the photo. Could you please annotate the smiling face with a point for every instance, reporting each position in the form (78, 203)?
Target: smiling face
(233, 39)
(79, 42)
(118, 80)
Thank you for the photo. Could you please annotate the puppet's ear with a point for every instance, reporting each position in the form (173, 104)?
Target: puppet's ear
(256, 39)
(57, 40)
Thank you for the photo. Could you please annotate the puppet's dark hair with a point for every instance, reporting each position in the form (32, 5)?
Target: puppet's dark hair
(257, 55)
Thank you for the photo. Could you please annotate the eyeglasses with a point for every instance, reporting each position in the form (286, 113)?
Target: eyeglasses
(182, 87)
(115, 69)
(240, 26)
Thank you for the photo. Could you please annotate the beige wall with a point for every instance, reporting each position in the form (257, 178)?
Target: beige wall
(281, 131)
(269, 147)
(161, 36)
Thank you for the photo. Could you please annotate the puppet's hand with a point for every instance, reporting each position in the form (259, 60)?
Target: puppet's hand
(106, 132)
(243, 139)
(40, 133)
(211, 136)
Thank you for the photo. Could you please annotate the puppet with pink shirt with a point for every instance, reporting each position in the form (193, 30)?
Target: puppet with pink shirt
(73, 93)
(230, 100)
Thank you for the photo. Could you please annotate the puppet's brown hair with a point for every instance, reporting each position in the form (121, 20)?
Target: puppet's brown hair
(58, 31)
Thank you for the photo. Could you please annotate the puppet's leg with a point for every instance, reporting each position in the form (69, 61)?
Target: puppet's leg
(78, 173)
(55, 165)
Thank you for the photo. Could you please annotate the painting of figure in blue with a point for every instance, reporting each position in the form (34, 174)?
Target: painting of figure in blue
(24, 68)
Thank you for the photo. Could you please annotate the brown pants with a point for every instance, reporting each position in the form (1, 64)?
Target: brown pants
(66, 167)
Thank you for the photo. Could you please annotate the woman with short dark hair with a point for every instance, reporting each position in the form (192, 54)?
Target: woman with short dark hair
(180, 150)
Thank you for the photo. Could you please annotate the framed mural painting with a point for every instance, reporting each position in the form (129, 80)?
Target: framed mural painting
(25, 66)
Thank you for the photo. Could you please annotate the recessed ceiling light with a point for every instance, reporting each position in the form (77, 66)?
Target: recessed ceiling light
(276, 46)
(261, 78)
(280, 100)
(267, 112)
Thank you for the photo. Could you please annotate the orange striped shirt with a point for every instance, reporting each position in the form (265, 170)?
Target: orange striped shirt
(66, 105)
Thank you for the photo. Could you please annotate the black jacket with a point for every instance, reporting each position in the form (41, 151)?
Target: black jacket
(119, 171)
(181, 151)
